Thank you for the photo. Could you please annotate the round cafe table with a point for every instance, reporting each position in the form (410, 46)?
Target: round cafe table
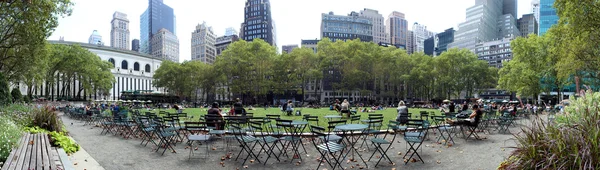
(351, 139)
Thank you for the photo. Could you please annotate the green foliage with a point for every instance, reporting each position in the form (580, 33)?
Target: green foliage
(35, 130)
(46, 119)
(74, 62)
(9, 136)
(27, 99)
(572, 143)
(579, 108)
(577, 39)
(63, 141)
(5, 97)
(533, 69)
(24, 27)
(16, 95)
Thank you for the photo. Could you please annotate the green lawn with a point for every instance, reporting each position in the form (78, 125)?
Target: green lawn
(388, 114)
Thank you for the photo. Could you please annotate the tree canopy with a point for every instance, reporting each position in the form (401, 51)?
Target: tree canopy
(256, 71)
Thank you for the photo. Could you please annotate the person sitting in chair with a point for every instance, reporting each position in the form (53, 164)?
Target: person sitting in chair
(473, 120)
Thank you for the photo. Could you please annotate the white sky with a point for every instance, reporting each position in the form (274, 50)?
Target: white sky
(294, 19)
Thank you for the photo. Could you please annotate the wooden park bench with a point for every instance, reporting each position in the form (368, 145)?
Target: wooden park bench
(34, 152)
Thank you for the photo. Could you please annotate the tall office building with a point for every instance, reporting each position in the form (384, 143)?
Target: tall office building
(223, 42)
(535, 9)
(396, 28)
(438, 44)
(420, 33)
(230, 31)
(95, 38)
(378, 21)
(203, 44)
(258, 22)
(482, 23)
(527, 25)
(346, 27)
(156, 17)
(135, 45)
(165, 45)
(288, 48)
(508, 27)
(119, 32)
(410, 42)
(548, 16)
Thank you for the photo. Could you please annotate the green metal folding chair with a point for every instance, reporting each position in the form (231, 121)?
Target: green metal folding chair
(378, 142)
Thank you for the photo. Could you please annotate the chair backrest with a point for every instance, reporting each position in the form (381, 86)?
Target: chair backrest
(312, 118)
(273, 117)
(354, 118)
(286, 126)
(195, 126)
(332, 124)
(256, 126)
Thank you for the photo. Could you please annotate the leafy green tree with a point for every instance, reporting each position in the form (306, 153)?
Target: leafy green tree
(16, 95)
(24, 27)
(575, 38)
(68, 63)
(247, 67)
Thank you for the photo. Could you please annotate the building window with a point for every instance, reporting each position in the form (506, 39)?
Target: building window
(124, 64)
(112, 61)
(136, 66)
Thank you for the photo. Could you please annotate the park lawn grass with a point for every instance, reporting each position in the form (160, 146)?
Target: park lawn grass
(388, 114)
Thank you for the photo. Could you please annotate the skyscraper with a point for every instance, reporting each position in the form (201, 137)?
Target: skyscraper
(119, 32)
(535, 9)
(548, 16)
(396, 28)
(342, 27)
(527, 25)
(165, 45)
(135, 45)
(95, 38)
(203, 44)
(420, 33)
(156, 17)
(258, 22)
(410, 42)
(438, 44)
(482, 23)
(378, 21)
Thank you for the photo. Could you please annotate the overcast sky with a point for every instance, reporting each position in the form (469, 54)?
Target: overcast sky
(294, 19)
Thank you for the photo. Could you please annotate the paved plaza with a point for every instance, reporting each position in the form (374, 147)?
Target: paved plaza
(114, 152)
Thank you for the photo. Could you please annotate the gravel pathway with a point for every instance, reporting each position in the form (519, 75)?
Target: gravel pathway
(115, 153)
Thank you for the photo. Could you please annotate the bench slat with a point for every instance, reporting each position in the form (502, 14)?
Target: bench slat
(25, 165)
(21, 154)
(46, 162)
(33, 151)
(38, 153)
(12, 154)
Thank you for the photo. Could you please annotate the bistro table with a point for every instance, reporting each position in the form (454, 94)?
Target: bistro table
(330, 117)
(352, 140)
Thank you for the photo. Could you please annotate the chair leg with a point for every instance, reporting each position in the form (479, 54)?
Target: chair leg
(414, 150)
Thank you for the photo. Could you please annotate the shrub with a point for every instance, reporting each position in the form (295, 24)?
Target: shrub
(572, 143)
(16, 95)
(9, 136)
(19, 113)
(35, 130)
(47, 119)
(27, 99)
(5, 97)
(63, 141)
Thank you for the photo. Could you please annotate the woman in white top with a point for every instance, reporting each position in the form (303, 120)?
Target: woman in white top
(345, 107)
